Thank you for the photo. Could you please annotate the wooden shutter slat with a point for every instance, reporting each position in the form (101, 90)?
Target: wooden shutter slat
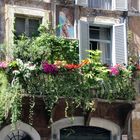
(119, 44)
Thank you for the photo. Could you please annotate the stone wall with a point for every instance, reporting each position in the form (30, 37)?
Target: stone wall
(134, 44)
(117, 112)
(2, 21)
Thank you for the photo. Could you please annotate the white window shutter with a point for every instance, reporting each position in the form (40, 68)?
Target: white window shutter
(83, 3)
(121, 5)
(119, 45)
(83, 36)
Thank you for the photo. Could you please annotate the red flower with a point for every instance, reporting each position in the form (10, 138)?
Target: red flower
(72, 66)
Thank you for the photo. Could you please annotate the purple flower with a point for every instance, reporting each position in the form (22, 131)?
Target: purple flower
(3, 65)
(49, 68)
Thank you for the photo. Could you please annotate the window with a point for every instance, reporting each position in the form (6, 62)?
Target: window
(121, 5)
(18, 135)
(101, 4)
(100, 38)
(27, 25)
(110, 39)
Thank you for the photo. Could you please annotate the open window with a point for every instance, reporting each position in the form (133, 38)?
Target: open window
(100, 39)
(111, 40)
(121, 5)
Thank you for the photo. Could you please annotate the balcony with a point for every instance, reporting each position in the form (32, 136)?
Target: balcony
(47, 66)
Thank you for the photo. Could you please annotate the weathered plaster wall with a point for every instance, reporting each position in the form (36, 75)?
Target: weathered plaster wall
(30, 3)
(117, 113)
(134, 27)
(2, 28)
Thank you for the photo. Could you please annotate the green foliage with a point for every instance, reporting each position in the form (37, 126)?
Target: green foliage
(10, 99)
(107, 85)
(47, 65)
(2, 52)
(46, 46)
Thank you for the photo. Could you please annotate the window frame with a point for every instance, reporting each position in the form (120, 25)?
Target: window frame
(107, 41)
(27, 18)
(11, 10)
(83, 37)
(114, 6)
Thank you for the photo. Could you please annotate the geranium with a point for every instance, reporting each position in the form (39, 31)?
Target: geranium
(49, 68)
(120, 67)
(72, 66)
(114, 71)
(3, 65)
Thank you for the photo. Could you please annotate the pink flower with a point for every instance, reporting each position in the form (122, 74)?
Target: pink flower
(114, 71)
(3, 65)
(49, 68)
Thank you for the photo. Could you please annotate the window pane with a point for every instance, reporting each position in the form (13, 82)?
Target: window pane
(99, 33)
(19, 26)
(101, 4)
(106, 53)
(33, 27)
(105, 48)
(94, 32)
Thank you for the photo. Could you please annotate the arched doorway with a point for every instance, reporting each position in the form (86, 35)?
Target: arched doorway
(23, 131)
(105, 128)
(84, 133)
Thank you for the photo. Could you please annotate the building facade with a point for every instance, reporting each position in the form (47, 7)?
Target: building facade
(97, 24)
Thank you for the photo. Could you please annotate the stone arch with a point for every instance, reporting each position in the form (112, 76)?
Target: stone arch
(67, 122)
(22, 126)
(108, 125)
(79, 121)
